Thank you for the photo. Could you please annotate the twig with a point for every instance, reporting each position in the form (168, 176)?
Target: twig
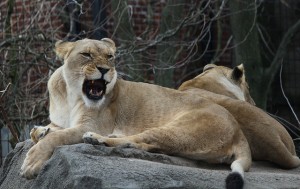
(4, 91)
(295, 131)
(287, 100)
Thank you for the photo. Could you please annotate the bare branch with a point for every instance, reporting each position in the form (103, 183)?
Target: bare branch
(281, 51)
(284, 95)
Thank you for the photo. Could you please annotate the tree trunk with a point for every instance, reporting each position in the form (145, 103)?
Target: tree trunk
(171, 18)
(124, 32)
(247, 47)
(10, 59)
(99, 19)
(247, 50)
(122, 25)
(10, 52)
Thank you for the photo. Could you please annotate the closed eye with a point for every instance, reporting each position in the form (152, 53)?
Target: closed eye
(110, 56)
(85, 54)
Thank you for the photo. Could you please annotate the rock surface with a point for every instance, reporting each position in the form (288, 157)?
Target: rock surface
(85, 166)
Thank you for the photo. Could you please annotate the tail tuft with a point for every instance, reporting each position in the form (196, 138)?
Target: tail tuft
(234, 181)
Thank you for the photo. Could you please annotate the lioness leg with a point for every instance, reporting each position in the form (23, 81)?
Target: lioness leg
(189, 134)
(240, 150)
(41, 152)
(200, 135)
(267, 138)
(283, 157)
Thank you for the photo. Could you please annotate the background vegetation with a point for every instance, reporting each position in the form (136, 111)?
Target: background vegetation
(162, 42)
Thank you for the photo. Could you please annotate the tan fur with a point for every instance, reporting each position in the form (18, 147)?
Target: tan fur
(222, 80)
(39, 132)
(267, 138)
(149, 117)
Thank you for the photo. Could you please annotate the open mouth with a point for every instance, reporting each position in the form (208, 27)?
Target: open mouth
(94, 89)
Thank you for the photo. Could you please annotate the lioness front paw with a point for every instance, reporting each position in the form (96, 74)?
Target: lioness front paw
(34, 162)
(93, 138)
(38, 132)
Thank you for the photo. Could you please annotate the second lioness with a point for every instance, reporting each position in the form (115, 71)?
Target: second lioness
(222, 80)
(267, 138)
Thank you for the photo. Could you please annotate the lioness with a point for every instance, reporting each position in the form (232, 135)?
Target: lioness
(268, 139)
(222, 80)
(216, 79)
(91, 104)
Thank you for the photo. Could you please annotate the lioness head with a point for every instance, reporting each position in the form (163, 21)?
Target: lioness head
(89, 68)
(222, 80)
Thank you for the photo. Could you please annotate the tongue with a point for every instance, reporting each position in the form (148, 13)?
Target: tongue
(94, 89)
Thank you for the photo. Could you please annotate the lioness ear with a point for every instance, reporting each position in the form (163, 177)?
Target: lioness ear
(237, 72)
(209, 66)
(63, 48)
(110, 43)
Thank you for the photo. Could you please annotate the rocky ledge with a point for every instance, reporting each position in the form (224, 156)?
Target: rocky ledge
(86, 166)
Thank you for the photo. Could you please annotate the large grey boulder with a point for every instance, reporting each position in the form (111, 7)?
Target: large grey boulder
(85, 166)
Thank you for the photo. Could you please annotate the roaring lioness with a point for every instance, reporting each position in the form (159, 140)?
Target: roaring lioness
(91, 104)
(217, 79)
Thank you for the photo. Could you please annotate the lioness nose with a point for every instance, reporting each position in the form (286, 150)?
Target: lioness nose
(103, 70)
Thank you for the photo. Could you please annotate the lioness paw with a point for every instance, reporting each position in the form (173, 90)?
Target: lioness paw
(93, 138)
(29, 170)
(34, 162)
(38, 132)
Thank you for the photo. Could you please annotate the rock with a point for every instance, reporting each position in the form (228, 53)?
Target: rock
(86, 166)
